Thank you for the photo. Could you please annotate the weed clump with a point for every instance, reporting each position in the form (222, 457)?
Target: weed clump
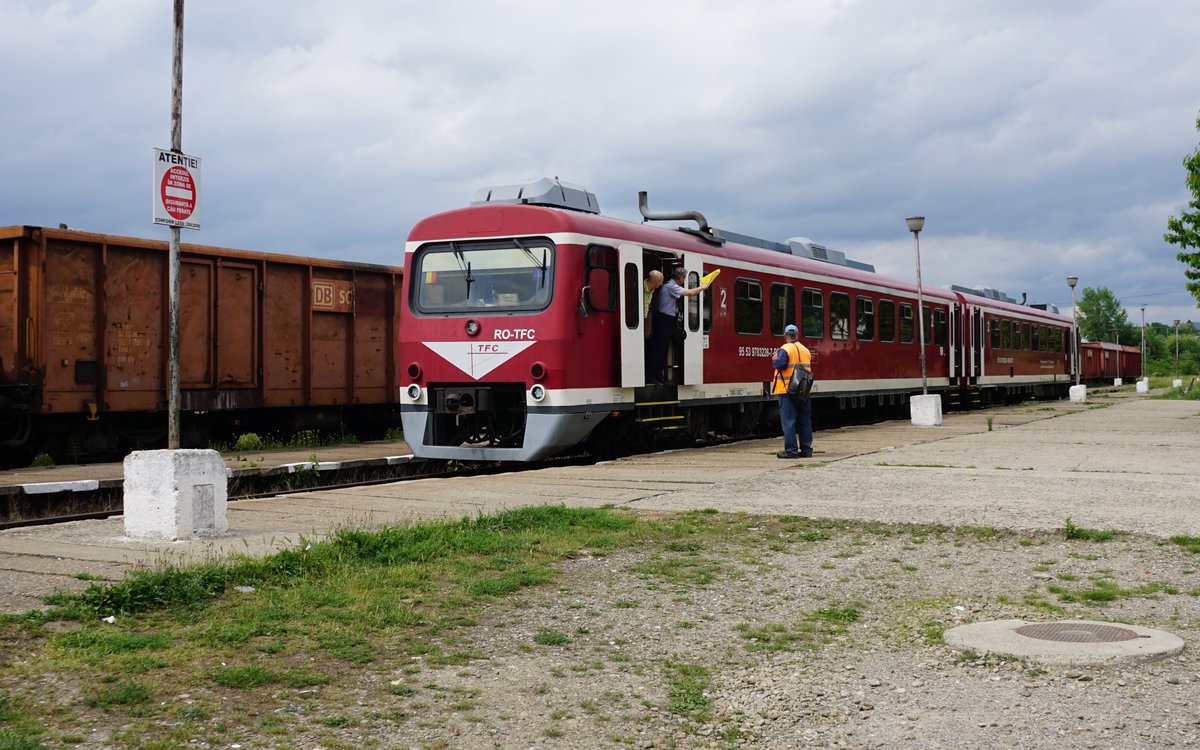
(248, 441)
(1071, 531)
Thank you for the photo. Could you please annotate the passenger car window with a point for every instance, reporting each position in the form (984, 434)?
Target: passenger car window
(839, 316)
(812, 313)
(864, 319)
(693, 281)
(633, 296)
(747, 306)
(906, 323)
(887, 320)
(783, 307)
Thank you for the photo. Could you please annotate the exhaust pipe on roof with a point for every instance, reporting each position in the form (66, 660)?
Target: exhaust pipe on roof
(696, 216)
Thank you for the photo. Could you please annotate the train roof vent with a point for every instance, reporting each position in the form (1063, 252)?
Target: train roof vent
(543, 192)
(985, 291)
(1047, 306)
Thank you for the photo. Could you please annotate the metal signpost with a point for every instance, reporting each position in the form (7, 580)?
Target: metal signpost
(176, 191)
(1143, 341)
(1075, 363)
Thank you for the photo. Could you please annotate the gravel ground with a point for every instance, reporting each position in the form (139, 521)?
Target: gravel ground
(790, 635)
(781, 671)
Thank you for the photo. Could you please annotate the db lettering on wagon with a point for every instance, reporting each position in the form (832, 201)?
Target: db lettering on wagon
(515, 334)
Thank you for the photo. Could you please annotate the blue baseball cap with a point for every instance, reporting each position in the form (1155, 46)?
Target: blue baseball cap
(791, 329)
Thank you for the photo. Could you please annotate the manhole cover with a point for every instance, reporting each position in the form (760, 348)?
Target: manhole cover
(1076, 632)
(1067, 642)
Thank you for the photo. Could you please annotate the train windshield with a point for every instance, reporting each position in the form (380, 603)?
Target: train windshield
(491, 276)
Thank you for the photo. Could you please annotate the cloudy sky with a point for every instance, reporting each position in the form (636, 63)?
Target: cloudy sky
(1040, 139)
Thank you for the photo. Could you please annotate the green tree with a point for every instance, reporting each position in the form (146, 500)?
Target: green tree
(1184, 230)
(1101, 314)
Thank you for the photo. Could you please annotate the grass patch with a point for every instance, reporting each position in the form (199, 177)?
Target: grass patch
(1189, 543)
(244, 678)
(103, 642)
(1104, 591)
(121, 694)
(551, 638)
(818, 627)
(17, 731)
(1071, 531)
(686, 687)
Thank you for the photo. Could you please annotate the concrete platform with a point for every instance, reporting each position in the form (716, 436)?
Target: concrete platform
(1122, 462)
(237, 461)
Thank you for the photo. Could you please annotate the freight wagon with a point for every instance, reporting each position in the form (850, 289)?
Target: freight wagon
(1104, 361)
(267, 342)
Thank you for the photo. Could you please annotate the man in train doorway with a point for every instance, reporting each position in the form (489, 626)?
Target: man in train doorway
(663, 323)
(795, 415)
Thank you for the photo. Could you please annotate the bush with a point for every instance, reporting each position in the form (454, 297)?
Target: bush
(248, 442)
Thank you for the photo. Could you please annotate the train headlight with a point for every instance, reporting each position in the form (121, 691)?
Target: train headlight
(538, 392)
(414, 392)
(472, 327)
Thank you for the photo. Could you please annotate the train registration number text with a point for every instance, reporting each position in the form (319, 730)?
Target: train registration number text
(515, 334)
(756, 351)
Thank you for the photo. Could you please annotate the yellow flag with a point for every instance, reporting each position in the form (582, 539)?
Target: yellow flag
(710, 277)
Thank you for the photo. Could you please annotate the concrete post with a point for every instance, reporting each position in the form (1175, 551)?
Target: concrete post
(1143, 385)
(926, 411)
(1079, 393)
(175, 494)
(1118, 382)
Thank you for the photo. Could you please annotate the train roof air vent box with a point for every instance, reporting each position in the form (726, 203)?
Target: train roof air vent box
(806, 248)
(543, 192)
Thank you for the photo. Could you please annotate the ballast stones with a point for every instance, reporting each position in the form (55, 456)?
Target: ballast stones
(1067, 642)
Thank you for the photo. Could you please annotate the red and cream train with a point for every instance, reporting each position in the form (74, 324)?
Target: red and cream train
(524, 332)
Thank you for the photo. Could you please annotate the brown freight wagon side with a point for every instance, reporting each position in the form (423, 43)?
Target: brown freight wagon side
(265, 339)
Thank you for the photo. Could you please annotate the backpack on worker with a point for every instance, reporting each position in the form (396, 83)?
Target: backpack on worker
(800, 384)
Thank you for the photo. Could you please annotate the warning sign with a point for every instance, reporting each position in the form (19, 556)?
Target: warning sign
(176, 189)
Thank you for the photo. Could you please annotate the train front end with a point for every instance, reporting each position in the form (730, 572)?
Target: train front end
(488, 346)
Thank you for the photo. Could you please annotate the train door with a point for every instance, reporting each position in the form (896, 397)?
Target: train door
(952, 341)
(632, 340)
(693, 344)
(980, 341)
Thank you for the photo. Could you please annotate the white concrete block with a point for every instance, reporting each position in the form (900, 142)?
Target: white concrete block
(1176, 383)
(1079, 393)
(926, 411)
(178, 494)
(1143, 386)
(1118, 381)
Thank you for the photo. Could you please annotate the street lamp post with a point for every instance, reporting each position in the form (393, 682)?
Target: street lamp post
(1071, 282)
(1117, 340)
(1177, 347)
(915, 225)
(1143, 341)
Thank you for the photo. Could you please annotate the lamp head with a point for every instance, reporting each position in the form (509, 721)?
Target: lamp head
(1177, 324)
(1072, 281)
(915, 223)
